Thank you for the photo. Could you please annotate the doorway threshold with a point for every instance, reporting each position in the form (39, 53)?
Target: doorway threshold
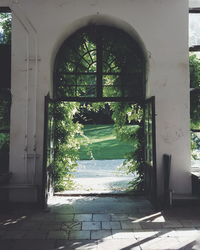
(98, 193)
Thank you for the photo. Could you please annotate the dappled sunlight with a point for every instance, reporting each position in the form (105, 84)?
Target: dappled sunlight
(108, 184)
(124, 230)
(116, 139)
(157, 217)
(117, 223)
(100, 168)
(101, 143)
(90, 129)
(11, 220)
(99, 176)
(110, 138)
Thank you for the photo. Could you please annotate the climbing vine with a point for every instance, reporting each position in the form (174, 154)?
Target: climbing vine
(125, 115)
(65, 144)
(127, 120)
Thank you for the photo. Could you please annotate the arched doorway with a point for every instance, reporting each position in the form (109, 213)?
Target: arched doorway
(100, 62)
(103, 64)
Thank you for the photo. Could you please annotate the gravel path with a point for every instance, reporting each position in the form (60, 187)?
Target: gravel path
(101, 175)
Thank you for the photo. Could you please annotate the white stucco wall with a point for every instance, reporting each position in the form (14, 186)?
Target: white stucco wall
(194, 3)
(40, 27)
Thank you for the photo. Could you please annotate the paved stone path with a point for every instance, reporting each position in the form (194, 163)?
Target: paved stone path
(101, 176)
(107, 223)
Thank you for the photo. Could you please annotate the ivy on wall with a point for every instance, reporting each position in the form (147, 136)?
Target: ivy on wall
(66, 144)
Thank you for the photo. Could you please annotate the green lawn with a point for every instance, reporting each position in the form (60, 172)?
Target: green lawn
(100, 143)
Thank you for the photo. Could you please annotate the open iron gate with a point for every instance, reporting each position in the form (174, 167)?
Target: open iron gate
(150, 180)
(48, 151)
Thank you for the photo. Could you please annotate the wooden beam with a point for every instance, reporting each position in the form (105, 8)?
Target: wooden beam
(195, 130)
(195, 48)
(194, 10)
(5, 10)
(195, 90)
(4, 131)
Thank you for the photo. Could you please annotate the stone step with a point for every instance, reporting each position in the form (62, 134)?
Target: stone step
(97, 193)
(18, 193)
(195, 182)
(185, 199)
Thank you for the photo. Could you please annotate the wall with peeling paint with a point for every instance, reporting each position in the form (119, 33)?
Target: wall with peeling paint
(40, 27)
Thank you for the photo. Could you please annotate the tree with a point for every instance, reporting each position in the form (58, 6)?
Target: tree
(5, 25)
(195, 104)
(194, 71)
(5, 99)
(195, 96)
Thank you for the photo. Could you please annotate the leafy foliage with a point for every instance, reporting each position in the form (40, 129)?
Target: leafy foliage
(5, 99)
(99, 142)
(127, 123)
(195, 104)
(65, 143)
(195, 96)
(5, 25)
(195, 109)
(124, 114)
(105, 62)
(5, 102)
(194, 71)
(195, 145)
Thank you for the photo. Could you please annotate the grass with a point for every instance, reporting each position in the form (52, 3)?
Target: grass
(100, 143)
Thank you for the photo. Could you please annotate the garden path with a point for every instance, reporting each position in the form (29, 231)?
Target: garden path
(102, 176)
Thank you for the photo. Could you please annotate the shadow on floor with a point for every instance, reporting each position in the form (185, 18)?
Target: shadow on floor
(116, 223)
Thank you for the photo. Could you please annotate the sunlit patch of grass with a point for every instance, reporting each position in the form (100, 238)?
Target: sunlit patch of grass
(100, 143)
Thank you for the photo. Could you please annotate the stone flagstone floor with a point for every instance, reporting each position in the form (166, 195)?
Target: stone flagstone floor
(107, 223)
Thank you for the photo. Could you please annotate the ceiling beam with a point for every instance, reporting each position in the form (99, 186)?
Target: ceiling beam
(194, 10)
(195, 48)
